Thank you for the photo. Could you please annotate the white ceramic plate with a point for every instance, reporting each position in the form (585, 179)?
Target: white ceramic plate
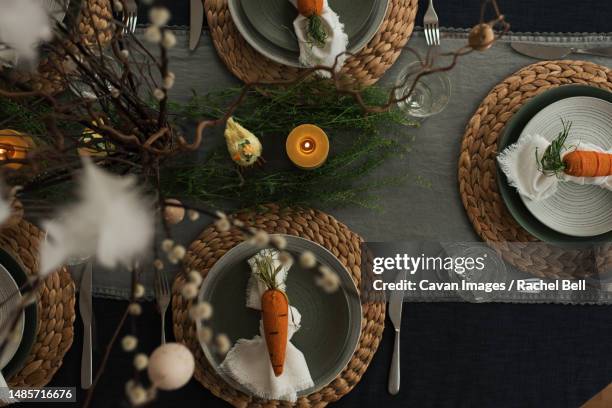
(9, 288)
(575, 210)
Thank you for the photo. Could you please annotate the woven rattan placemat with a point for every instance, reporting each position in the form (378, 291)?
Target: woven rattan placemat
(477, 170)
(365, 68)
(311, 224)
(56, 300)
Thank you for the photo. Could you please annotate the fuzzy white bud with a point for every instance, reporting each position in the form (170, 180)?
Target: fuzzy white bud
(129, 343)
(159, 16)
(168, 40)
(189, 291)
(201, 311)
(153, 34)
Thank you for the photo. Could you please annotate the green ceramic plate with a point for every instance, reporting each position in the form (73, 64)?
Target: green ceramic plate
(31, 318)
(331, 323)
(511, 134)
(268, 25)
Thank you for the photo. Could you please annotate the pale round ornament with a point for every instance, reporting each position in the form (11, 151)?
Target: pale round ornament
(173, 214)
(171, 366)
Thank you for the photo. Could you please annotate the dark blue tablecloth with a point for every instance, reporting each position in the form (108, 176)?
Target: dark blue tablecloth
(524, 15)
(453, 354)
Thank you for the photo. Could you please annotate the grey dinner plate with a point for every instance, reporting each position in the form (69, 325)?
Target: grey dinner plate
(30, 318)
(510, 135)
(331, 323)
(268, 25)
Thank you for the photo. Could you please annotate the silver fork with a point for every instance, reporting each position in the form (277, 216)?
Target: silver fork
(162, 294)
(130, 17)
(431, 26)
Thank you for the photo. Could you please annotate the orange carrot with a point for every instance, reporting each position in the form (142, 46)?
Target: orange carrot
(581, 163)
(275, 315)
(309, 8)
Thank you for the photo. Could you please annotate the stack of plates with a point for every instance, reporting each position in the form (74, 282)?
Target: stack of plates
(268, 25)
(12, 277)
(330, 326)
(576, 213)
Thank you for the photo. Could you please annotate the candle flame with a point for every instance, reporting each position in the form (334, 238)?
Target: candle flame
(6, 153)
(308, 145)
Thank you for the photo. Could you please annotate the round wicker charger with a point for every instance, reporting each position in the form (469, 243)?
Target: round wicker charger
(365, 68)
(311, 224)
(477, 171)
(56, 299)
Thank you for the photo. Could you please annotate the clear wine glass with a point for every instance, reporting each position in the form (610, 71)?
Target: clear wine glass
(430, 95)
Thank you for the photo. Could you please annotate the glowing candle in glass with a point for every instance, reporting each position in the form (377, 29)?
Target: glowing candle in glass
(307, 146)
(13, 146)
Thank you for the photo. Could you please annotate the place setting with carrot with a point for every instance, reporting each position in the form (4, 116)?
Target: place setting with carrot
(193, 196)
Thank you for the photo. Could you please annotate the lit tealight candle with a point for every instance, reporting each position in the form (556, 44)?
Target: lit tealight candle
(13, 146)
(307, 146)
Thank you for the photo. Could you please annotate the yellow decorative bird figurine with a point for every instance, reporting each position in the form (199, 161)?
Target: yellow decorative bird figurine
(244, 147)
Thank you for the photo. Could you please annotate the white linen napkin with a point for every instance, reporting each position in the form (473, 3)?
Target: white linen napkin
(248, 362)
(336, 43)
(518, 162)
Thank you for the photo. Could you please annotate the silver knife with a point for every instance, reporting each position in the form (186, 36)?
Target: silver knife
(396, 301)
(551, 52)
(196, 17)
(85, 308)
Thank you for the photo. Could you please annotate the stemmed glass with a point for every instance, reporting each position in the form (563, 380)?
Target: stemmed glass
(430, 94)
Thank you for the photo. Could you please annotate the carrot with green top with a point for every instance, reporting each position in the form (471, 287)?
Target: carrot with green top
(275, 313)
(312, 9)
(577, 163)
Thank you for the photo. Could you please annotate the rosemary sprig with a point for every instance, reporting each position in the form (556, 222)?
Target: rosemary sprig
(551, 163)
(316, 31)
(265, 270)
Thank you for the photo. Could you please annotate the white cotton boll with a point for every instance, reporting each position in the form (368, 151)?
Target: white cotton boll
(111, 220)
(23, 25)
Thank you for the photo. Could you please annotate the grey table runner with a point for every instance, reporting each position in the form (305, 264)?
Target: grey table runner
(413, 211)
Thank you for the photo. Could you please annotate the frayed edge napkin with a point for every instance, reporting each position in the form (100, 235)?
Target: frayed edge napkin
(336, 43)
(520, 165)
(248, 362)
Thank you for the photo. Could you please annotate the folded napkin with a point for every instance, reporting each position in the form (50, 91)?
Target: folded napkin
(248, 362)
(518, 162)
(336, 43)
